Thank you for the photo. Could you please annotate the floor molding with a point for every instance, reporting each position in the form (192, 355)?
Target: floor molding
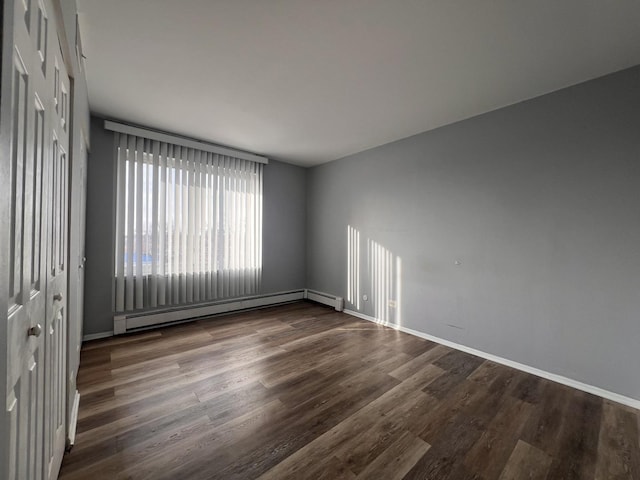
(97, 336)
(73, 421)
(616, 397)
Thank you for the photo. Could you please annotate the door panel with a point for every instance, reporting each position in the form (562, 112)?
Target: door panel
(36, 329)
(56, 314)
(26, 305)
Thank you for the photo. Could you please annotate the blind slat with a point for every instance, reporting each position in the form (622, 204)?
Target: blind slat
(130, 210)
(120, 146)
(139, 215)
(162, 225)
(155, 232)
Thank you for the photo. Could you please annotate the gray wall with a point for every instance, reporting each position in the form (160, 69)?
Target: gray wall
(539, 202)
(284, 241)
(284, 211)
(99, 242)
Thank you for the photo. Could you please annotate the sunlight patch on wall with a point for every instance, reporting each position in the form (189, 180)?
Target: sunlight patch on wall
(374, 276)
(384, 274)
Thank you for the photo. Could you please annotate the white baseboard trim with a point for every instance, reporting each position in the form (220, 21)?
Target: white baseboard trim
(124, 323)
(73, 421)
(97, 336)
(325, 299)
(600, 392)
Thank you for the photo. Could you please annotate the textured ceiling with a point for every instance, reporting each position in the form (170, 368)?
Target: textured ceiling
(309, 81)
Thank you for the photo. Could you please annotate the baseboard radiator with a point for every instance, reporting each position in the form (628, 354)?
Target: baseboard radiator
(325, 298)
(125, 323)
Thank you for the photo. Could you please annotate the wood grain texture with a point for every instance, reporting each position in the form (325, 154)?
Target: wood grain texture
(618, 453)
(526, 462)
(300, 391)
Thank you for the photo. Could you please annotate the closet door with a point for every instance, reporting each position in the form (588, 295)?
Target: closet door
(57, 273)
(32, 201)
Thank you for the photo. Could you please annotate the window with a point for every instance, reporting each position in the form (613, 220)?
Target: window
(188, 227)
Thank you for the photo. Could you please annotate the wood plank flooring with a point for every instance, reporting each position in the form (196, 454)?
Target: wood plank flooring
(303, 392)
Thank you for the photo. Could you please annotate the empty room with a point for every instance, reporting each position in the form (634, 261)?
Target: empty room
(302, 239)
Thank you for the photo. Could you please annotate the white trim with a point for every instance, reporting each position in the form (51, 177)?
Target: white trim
(124, 323)
(600, 392)
(119, 324)
(96, 336)
(73, 421)
(368, 318)
(183, 141)
(325, 299)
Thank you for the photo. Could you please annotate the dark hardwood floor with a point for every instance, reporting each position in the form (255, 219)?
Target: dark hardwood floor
(303, 392)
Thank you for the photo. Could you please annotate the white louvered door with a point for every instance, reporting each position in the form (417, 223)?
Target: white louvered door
(34, 226)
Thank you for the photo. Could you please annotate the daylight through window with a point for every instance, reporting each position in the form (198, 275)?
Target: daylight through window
(189, 225)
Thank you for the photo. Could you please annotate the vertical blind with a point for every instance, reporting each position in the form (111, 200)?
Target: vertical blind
(188, 225)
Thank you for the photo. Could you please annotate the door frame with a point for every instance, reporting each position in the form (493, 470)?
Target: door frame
(79, 156)
(5, 205)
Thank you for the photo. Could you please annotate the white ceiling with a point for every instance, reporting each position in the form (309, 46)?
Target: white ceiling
(309, 81)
